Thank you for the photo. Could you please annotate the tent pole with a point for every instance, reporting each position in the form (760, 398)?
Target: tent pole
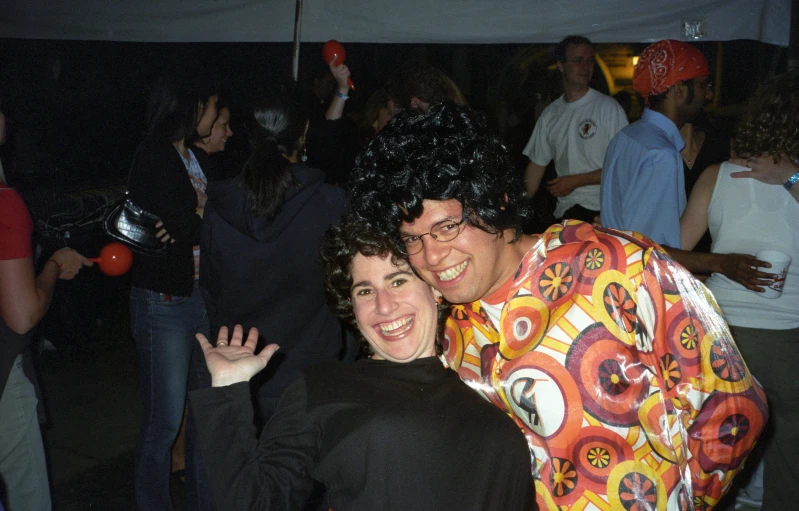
(295, 58)
(793, 44)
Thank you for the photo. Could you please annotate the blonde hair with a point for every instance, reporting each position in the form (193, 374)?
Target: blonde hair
(377, 100)
(770, 124)
(426, 83)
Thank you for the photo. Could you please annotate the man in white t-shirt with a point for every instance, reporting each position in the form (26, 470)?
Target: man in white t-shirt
(575, 131)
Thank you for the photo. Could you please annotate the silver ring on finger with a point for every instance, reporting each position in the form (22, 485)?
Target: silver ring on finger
(221, 343)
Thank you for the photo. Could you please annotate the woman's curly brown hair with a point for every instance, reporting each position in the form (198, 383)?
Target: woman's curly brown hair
(339, 247)
(770, 124)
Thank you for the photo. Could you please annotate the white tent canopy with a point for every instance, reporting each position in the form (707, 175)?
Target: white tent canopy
(395, 21)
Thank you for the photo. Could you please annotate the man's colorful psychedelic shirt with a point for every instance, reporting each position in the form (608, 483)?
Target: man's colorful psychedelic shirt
(619, 368)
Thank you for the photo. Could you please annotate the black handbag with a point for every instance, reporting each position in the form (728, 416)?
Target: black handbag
(134, 227)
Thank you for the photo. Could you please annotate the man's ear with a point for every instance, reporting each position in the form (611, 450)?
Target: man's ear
(679, 90)
(559, 65)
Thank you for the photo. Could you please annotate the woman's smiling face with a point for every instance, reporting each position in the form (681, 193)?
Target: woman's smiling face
(395, 310)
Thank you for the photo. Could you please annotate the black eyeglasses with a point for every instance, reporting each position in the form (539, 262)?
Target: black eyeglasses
(443, 232)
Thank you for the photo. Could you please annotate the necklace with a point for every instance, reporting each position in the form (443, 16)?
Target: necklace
(692, 147)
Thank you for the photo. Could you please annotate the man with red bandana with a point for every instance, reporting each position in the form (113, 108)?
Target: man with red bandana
(643, 186)
(612, 359)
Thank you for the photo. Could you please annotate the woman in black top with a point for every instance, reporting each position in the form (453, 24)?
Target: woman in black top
(395, 431)
(166, 305)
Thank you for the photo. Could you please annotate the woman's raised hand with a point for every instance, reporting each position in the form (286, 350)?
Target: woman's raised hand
(235, 360)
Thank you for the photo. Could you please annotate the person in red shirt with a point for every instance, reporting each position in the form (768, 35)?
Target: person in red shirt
(24, 300)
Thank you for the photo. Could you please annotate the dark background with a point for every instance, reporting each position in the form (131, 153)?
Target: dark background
(75, 114)
(82, 128)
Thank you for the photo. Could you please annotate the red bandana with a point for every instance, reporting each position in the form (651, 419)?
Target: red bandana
(665, 63)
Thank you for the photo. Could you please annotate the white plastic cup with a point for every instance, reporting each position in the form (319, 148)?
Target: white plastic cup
(780, 262)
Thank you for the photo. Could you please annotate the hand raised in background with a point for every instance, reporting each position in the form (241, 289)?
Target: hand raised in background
(340, 72)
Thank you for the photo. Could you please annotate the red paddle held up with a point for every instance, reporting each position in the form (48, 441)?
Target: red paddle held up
(334, 50)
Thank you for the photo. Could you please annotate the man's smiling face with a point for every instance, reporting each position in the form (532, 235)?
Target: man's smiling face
(467, 268)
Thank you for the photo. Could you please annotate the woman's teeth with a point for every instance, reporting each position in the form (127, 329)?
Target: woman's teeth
(397, 327)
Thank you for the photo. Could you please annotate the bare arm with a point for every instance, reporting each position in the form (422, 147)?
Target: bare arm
(532, 178)
(24, 297)
(742, 268)
(693, 222)
(340, 73)
(564, 185)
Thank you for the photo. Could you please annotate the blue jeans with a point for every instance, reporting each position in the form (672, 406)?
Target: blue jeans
(170, 364)
(23, 470)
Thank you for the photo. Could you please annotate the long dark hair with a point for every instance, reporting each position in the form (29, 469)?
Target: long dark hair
(278, 126)
(173, 108)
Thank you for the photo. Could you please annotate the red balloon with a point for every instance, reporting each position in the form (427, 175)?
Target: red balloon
(334, 50)
(115, 259)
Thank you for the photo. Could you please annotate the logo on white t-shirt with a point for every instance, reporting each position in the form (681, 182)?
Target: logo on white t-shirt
(586, 129)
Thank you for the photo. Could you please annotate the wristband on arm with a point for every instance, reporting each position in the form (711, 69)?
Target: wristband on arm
(791, 181)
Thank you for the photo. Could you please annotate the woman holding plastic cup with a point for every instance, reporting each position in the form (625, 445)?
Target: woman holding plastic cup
(758, 218)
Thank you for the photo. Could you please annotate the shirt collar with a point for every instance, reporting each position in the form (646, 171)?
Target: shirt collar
(665, 124)
(564, 233)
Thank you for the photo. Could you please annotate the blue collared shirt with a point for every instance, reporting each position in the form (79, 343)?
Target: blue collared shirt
(643, 186)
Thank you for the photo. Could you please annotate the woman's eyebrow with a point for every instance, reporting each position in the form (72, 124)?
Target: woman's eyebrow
(363, 283)
(367, 283)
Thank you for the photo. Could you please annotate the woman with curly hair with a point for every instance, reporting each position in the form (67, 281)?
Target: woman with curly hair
(747, 215)
(396, 430)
